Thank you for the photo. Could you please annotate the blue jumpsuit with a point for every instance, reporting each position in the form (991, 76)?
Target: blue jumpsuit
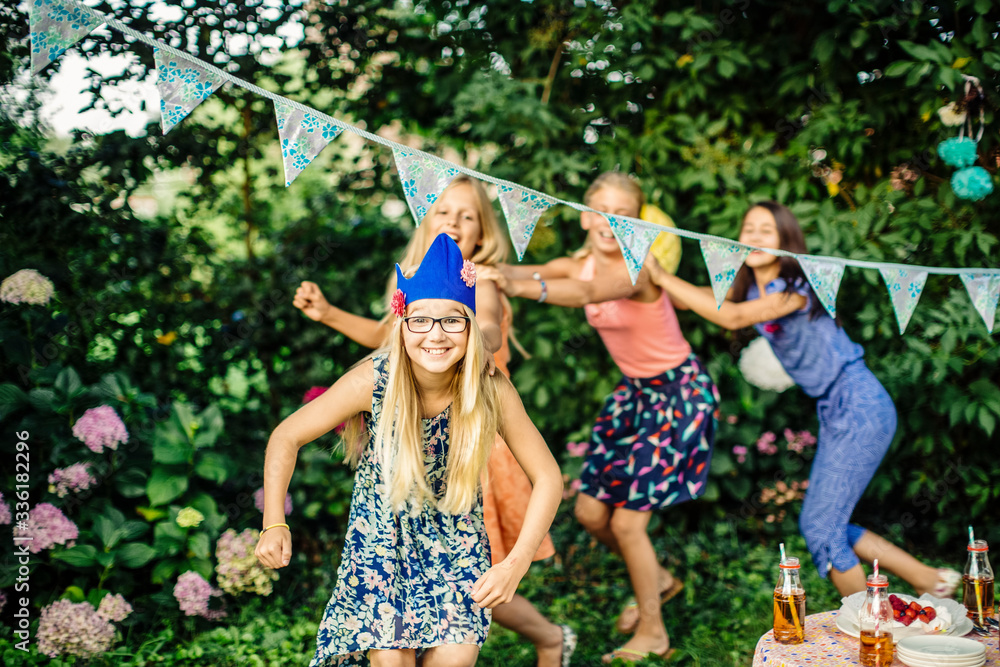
(857, 422)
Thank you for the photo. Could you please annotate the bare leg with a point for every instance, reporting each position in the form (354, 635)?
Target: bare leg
(922, 577)
(629, 529)
(521, 616)
(452, 655)
(406, 657)
(595, 517)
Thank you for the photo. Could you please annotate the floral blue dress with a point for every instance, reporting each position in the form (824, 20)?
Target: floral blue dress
(405, 579)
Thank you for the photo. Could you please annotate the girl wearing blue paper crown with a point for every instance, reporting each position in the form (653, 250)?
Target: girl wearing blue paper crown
(415, 578)
(651, 445)
(463, 212)
(856, 415)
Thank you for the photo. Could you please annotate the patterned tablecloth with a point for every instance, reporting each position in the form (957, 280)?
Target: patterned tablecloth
(827, 646)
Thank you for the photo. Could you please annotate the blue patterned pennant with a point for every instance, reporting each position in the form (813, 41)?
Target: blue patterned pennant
(522, 211)
(984, 290)
(904, 288)
(824, 277)
(723, 260)
(56, 26)
(183, 85)
(423, 180)
(303, 135)
(634, 242)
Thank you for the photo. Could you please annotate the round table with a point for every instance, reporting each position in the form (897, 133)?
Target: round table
(827, 646)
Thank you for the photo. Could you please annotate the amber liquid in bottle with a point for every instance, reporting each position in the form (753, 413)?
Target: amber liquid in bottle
(876, 651)
(789, 614)
(971, 597)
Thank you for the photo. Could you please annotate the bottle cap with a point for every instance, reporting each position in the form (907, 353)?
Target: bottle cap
(790, 563)
(877, 581)
(978, 545)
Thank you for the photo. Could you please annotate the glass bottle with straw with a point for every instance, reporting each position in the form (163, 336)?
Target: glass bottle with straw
(789, 603)
(875, 621)
(977, 582)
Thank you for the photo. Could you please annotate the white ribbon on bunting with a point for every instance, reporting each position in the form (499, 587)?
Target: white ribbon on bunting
(183, 85)
(824, 277)
(58, 24)
(904, 287)
(724, 259)
(423, 179)
(634, 242)
(55, 26)
(522, 209)
(984, 290)
(303, 136)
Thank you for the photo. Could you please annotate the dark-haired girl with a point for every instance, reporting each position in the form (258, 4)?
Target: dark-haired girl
(856, 415)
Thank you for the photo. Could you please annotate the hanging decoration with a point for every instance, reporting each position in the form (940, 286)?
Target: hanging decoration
(724, 259)
(303, 135)
(824, 277)
(185, 81)
(905, 286)
(56, 26)
(969, 182)
(521, 209)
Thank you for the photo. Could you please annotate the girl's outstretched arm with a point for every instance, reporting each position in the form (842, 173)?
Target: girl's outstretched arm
(499, 583)
(489, 312)
(732, 315)
(362, 330)
(561, 267)
(348, 396)
(571, 292)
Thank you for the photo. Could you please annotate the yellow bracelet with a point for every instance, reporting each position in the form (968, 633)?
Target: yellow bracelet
(274, 525)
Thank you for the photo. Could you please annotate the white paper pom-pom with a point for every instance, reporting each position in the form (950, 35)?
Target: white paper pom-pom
(761, 368)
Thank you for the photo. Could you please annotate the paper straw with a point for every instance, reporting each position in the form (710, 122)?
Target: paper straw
(972, 537)
(979, 602)
(782, 547)
(876, 567)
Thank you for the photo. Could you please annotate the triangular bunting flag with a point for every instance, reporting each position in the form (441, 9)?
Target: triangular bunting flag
(634, 242)
(56, 26)
(723, 260)
(303, 135)
(984, 290)
(422, 178)
(824, 277)
(904, 288)
(183, 85)
(522, 210)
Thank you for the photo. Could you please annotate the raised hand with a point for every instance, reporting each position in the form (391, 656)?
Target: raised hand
(310, 300)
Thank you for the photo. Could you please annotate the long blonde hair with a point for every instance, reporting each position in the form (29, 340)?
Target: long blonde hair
(618, 181)
(473, 424)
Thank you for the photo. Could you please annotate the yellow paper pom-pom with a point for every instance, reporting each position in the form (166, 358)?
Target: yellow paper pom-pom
(667, 247)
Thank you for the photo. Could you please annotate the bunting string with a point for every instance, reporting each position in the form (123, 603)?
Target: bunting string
(185, 81)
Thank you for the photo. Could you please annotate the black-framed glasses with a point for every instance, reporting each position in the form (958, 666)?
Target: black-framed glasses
(450, 324)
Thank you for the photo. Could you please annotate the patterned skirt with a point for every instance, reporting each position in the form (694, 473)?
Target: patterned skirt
(652, 443)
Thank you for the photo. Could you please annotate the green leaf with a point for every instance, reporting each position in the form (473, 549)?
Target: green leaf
(163, 571)
(213, 466)
(987, 421)
(132, 529)
(199, 545)
(921, 52)
(42, 399)
(131, 482)
(992, 60)
(105, 558)
(82, 555)
(11, 398)
(899, 68)
(210, 426)
(171, 444)
(74, 594)
(105, 529)
(164, 486)
(135, 554)
(727, 68)
(68, 383)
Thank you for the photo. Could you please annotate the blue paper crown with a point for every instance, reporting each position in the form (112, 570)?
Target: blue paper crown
(443, 274)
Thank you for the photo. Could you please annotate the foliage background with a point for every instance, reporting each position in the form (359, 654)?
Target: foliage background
(185, 316)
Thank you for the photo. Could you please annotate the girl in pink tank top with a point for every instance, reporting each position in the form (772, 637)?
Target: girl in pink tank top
(651, 444)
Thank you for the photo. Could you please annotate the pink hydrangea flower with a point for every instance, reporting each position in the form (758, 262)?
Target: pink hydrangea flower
(100, 427)
(765, 444)
(77, 477)
(114, 608)
(398, 303)
(73, 628)
(192, 593)
(797, 442)
(741, 453)
(468, 273)
(47, 526)
(239, 570)
(258, 501)
(3, 601)
(5, 516)
(577, 448)
(313, 393)
(27, 286)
